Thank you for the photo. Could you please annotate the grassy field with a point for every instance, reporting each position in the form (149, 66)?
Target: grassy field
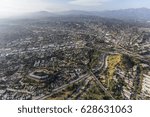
(112, 61)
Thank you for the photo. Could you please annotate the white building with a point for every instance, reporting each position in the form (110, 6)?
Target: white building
(146, 85)
(126, 93)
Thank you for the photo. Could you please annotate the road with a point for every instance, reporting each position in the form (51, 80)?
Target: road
(103, 68)
(102, 86)
(135, 55)
(62, 87)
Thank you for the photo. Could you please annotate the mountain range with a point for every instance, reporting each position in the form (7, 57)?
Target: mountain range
(139, 14)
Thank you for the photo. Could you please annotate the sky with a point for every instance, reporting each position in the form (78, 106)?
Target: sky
(16, 7)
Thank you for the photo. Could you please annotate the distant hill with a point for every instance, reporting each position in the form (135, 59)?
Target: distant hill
(139, 14)
(75, 12)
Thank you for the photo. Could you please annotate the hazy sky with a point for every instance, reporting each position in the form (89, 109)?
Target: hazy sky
(16, 7)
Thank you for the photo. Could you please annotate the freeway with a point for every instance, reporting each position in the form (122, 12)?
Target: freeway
(103, 68)
(135, 55)
(102, 86)
(62, 87)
